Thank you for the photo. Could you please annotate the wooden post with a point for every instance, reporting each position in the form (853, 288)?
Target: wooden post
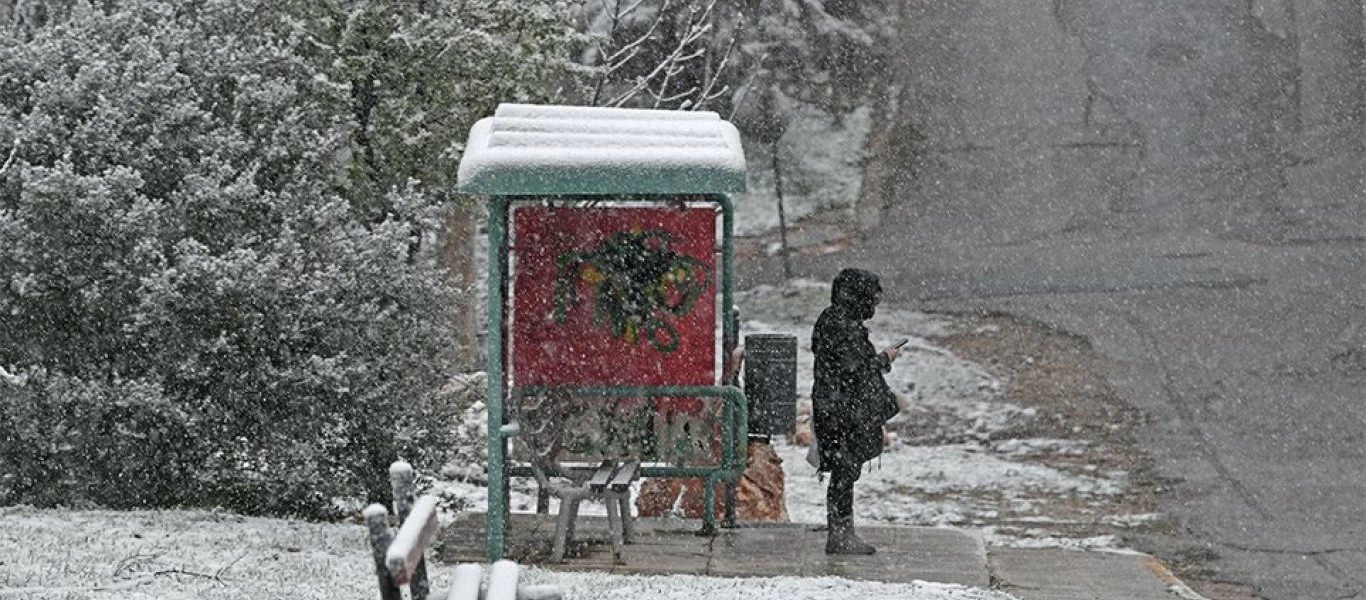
(377, 522)
(457, 251)
(403, 484)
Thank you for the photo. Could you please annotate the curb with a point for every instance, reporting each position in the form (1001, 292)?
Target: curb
(1173, 583)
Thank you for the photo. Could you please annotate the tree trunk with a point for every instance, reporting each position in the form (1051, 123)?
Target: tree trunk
(458, 250)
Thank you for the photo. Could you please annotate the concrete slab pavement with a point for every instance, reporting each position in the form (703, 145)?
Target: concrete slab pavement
(905, 554)
(1058, 574)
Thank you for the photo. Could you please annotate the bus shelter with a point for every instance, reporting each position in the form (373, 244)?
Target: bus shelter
(610, 276)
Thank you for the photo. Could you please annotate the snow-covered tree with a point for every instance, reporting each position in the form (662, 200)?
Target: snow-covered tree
(413, 76)
(217, 281)
(669, 54)
(832, 53)
(694, 53)
(759, 62)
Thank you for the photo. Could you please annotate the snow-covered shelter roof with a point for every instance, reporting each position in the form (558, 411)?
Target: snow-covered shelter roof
(534, 150)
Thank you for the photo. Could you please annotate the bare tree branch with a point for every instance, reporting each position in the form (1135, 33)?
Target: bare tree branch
(13, 152)
(690, 62)
(709, 92)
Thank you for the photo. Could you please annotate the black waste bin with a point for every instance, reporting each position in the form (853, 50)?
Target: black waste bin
(771, 383)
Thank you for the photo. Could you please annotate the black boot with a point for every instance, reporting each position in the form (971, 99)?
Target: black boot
(842, 539)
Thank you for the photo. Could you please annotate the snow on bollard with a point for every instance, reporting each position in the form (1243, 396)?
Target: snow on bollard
(503, 581)
(403, 484)
(468, 579)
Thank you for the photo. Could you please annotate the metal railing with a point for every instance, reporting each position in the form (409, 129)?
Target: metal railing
(734, 442)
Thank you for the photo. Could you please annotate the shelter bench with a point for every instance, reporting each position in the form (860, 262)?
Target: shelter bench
(609, 482)
(611, 479)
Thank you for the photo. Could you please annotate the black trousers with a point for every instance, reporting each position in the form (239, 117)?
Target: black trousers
(839, 497)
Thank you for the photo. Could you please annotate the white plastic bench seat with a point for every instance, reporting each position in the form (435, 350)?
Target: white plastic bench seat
(610, 483)
(628, 473)
(602, 475)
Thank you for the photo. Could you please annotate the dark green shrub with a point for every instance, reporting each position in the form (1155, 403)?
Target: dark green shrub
(218, 218)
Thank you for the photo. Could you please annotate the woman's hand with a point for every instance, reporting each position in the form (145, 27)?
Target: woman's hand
(892, 352)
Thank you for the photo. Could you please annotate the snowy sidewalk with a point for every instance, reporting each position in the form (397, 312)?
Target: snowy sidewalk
(905, 555)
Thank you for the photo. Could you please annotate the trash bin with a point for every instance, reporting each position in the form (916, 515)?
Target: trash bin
(771, 383)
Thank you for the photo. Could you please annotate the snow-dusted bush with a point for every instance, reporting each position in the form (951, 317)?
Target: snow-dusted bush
(63, 434)
(218, 285)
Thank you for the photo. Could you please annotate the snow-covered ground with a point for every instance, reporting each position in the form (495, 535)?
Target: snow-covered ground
(183, 555)
(816, 176)
(691, 587)
(957, 475)
(968, 480)
(961, 477)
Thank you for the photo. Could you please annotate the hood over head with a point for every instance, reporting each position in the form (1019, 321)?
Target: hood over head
(856, 291)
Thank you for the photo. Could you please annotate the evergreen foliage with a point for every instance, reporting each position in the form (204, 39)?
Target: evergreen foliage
(218, 285)
(829, 53)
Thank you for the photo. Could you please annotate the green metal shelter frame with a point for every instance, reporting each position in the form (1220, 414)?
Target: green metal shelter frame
(534, 153)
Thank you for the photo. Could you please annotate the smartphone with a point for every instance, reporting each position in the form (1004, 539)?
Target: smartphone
(903, 342)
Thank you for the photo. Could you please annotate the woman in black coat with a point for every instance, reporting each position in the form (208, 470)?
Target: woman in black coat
(850, 398)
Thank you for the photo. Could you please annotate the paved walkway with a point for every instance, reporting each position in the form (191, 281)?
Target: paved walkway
(671, 546)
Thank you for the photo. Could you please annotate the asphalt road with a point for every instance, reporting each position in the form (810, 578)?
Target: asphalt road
(1182, 183)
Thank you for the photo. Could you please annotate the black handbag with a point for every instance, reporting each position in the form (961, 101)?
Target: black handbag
(889, 407)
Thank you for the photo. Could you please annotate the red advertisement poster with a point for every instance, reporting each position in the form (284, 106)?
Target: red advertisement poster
(614, 296)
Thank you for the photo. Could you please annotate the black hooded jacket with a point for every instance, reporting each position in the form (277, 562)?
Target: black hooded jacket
(851, 400)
